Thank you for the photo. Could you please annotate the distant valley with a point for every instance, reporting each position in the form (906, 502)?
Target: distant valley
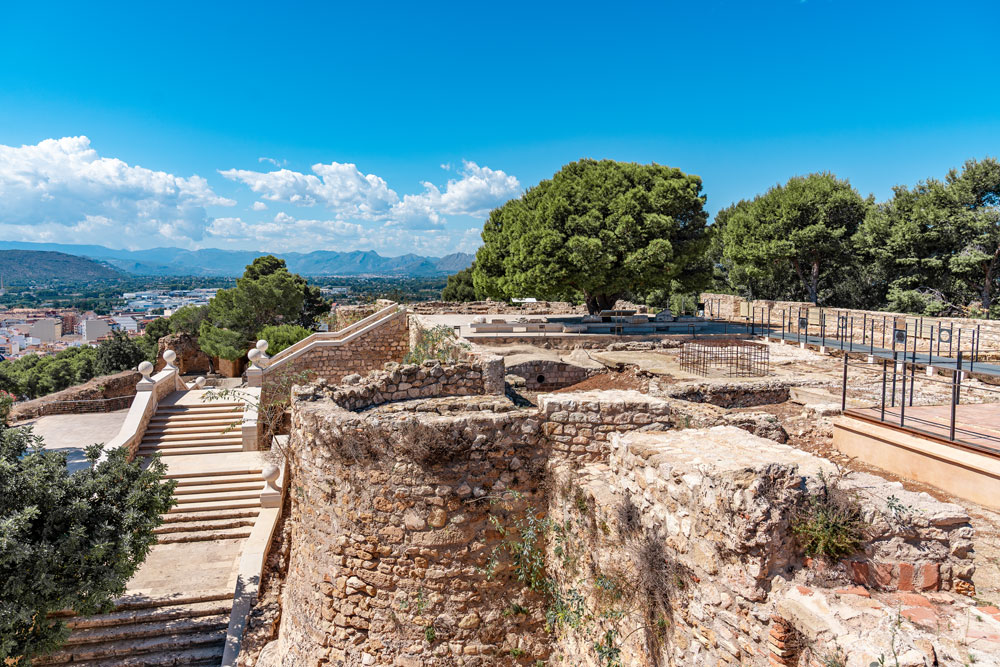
(213, 262)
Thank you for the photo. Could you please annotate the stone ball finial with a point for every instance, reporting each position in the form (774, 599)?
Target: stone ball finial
(262, 345)
(146, 369)
(270, 475)
(253, 355)
(199, 382)
(170, 357)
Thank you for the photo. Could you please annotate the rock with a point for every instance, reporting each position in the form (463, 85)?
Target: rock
(469, 621)
(437, 518)
(351, 379)
(413, 521)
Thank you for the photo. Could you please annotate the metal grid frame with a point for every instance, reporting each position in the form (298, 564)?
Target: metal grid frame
(732, 356)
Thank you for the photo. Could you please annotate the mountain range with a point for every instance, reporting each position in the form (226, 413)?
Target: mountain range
(213, 262)
(17, 266)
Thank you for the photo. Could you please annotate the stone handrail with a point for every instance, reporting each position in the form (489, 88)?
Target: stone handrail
(148, 393)
(254, 556)
(256, 372)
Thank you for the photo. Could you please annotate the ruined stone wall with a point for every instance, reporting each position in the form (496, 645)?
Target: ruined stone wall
(393, 537)
(681, 549)
(190, 358)
(861, 323)
(400, 382)
(548, 374)
(496, 308)
(106, 393)
(731, 395)
(584, 531)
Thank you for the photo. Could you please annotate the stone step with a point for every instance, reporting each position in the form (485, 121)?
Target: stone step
(206, 655)
(187, 423)
(221, 427)
(209, 525)
(215, 505)
(193, 437)
(132, 602)
(237, 514)
(220, 487)
(149, 628)
(209, 418)
(198, 407)
(151, 614)
(211, 497)
(205, 449)
(189, 476)
(205, 535)
(175, 643)
(221, 478)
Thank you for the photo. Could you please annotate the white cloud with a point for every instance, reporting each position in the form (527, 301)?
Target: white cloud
(259, 206)
(62, 190)
(347, 192)
(475, 193)
(287, 234)
(340, 187)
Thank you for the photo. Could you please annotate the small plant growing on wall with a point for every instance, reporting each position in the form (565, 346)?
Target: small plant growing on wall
(828, 523)
(439, 343)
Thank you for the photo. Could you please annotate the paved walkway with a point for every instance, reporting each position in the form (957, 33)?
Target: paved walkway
(72, 434)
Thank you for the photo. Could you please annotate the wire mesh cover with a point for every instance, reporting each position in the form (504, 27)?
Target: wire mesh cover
(730, 356)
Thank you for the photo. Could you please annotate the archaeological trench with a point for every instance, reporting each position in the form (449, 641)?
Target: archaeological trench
(457, 514)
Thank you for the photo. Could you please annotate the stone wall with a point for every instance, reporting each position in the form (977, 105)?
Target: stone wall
(496, 308)
(190, 358)
(106, 393)
(548, 374)
(861, 323)
(369, 351)
(682, 550)
(731, 394)
(583, 531)
(393, 537)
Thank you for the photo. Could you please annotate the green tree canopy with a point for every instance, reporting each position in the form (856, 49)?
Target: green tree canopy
(940, 236)
(282, 336)
(118, 353)
(460, 286)
(150, 340)
(188, 319)
(68, 541)
(266, 295)
(803, 228)
(597, 230)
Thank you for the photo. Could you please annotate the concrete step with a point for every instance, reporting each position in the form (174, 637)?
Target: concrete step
(191, 442)
(207, 449)
(221, 478)
(208, 418)
(207, 525)
(134, 602)
(220, 487)
(203, 535)
(213, 505)
(149, 628)
(176, 643)
(193, 437)
(205, 655)
(221, 427)
(191, 476)
(151, 614)
(238, 514)
(198, 408)
(211, 497)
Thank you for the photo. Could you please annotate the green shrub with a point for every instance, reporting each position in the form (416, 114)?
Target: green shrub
(282, 336)
(829, 523)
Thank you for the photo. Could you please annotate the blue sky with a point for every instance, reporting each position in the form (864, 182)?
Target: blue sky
(140, 125)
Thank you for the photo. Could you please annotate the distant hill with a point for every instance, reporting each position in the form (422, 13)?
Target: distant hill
(21, 266)
(212, 262)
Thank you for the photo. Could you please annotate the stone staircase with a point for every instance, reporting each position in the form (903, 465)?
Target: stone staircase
(177, 430)
(217, 502)
(189, 630)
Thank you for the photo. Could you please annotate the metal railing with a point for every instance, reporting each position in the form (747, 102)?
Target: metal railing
(899, 391)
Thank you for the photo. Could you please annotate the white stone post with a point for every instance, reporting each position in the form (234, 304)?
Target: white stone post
(169, 356)
(145, 384)
(262, 346)
(255, 374)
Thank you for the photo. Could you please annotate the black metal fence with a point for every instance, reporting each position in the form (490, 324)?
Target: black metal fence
(944, 415)
(730, 356)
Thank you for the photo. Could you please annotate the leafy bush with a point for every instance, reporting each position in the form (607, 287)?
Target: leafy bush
(282, 336)
(829, 522)
(32, 375)
(118, 353)
(68, 541)
(438, 343)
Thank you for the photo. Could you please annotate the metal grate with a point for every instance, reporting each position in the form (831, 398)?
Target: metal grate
(730, 356)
